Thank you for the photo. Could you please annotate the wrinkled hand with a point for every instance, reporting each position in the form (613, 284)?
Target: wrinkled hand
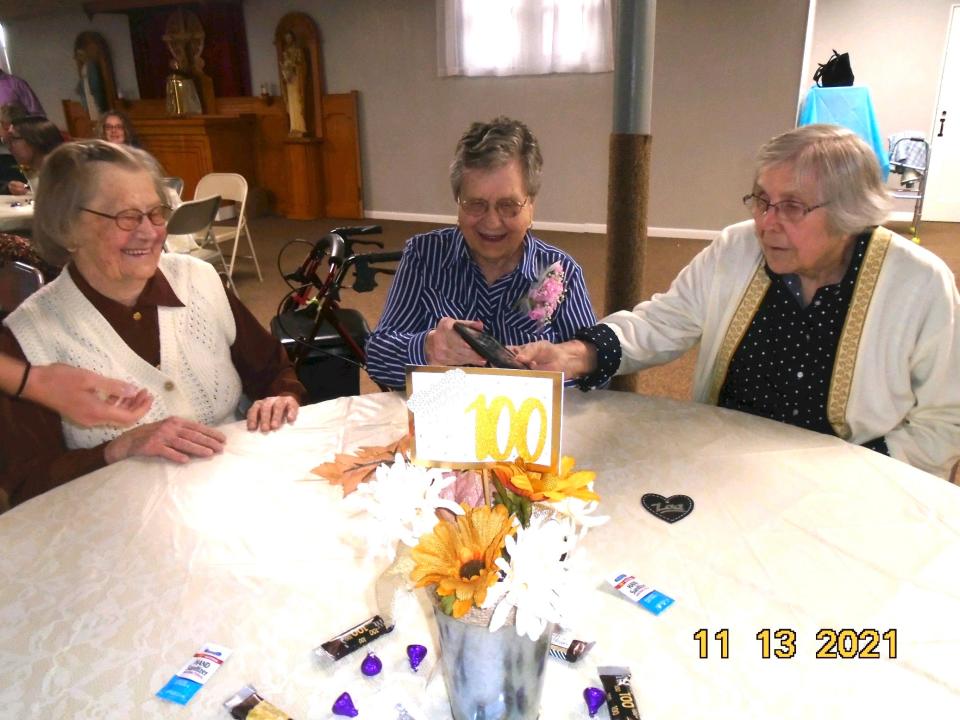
(86, 398)
(574, 358)
(175, 439)
(272, 412)
(15, 187)
(444, 346)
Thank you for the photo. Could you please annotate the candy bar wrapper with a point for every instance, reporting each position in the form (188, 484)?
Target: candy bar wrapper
(248, 704)
(353, 639)
(620, 701)
(564, 646)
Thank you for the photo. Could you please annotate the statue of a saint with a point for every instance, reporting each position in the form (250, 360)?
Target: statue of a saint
(293, 76)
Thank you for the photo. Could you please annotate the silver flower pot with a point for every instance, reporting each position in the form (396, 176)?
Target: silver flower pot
(491, 675)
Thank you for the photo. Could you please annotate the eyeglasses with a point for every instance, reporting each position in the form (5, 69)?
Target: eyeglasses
(10, 138)
(110, 126)
(131, 219)
(507, 209)
(790, 211)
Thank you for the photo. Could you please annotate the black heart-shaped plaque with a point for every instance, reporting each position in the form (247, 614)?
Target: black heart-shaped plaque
(671, 509)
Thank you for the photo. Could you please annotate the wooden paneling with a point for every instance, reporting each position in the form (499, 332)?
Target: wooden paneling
(305, 160)
(342, 184)
(190, 147)
(262, 153)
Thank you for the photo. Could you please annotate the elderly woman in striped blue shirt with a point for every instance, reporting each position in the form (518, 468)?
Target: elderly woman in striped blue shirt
(488, 271)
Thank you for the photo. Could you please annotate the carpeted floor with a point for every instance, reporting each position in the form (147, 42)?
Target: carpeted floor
(665, 258)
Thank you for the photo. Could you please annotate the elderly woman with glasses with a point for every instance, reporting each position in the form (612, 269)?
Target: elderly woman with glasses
(161, 322)
(489, 271)
(810, 313)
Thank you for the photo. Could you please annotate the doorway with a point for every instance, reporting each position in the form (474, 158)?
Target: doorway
(942, 201)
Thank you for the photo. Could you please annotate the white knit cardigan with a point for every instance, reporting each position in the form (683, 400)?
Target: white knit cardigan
(196, 378)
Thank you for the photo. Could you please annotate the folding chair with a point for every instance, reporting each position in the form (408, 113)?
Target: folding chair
(175, 184)
(188, 232)
(229, 186)
(18, 281)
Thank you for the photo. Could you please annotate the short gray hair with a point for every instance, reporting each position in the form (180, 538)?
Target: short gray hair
(69, 180)
(491, 145)
(841, 165)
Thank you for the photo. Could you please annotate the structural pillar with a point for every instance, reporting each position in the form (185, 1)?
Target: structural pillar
(629, 173)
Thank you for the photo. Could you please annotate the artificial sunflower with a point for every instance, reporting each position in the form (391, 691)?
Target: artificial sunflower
(549, 486)
(460, 557)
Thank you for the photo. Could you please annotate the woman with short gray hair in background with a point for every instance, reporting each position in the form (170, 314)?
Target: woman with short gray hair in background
(810, 313)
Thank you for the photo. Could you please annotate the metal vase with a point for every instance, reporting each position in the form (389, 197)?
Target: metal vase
(491, 675)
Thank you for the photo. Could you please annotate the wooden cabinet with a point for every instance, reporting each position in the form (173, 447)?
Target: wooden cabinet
(192, 146)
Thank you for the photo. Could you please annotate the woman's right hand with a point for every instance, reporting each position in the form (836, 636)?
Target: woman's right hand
(444, 346)
(175, 439)
(573, 358)
(15, 187)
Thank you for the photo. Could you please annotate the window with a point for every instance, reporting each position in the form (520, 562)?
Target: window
(524, 37)
(4, 59)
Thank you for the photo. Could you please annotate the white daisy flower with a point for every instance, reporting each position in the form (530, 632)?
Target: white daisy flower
(400, 504)
(535, 580)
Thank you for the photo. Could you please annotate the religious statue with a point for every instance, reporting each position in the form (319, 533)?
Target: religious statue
(293, 82)
(184, 38)
(90, 86)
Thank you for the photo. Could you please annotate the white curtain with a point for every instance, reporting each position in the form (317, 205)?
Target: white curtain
(524, 37)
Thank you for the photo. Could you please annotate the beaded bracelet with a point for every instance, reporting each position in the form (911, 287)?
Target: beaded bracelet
(23, 380)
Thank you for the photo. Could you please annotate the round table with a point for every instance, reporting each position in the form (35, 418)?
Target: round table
(110, 583)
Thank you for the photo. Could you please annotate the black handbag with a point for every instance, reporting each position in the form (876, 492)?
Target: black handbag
(835, 72)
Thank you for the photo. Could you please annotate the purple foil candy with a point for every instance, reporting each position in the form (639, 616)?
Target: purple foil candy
(371, 665)
(344, 706)
(416, 653)
(594, 698)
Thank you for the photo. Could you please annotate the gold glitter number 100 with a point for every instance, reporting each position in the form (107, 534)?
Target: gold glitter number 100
(488, 421)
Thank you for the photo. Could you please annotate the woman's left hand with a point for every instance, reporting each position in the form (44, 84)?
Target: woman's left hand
(272, 412)
(15, 187)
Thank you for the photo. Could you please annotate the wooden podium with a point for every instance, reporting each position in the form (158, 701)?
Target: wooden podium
(193, 146)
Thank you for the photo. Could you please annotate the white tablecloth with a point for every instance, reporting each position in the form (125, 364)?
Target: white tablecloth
(16, 213)
(110, 583)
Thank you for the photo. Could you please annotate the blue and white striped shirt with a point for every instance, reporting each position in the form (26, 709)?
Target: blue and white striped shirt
(437, 278)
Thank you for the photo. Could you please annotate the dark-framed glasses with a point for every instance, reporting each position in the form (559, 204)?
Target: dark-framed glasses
(112, 126)
(507, 209)
(131, 219)
(790, 211)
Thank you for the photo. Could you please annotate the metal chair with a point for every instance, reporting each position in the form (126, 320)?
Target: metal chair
(191, 222)
(233, 187)
(175, 184)
(18, 281)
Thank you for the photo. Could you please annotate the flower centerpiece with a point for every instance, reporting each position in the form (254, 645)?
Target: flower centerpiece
(502, 563)
(545, 295)
(494, 549)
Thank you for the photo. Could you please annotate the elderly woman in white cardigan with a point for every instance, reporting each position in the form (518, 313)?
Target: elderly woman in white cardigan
(810, 313)
(121, 308)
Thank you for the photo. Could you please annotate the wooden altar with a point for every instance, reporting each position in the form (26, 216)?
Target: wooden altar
(193, 146)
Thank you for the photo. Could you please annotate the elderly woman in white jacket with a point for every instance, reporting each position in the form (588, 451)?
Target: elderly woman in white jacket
(810, 313)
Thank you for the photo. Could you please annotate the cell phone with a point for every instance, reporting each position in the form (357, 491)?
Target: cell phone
(488, 347)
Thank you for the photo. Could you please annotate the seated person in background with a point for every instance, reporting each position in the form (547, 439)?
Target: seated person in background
(31, 139)
(486, 271)
(162, 322)
(115, 127)
(8, 164)
(809, 313)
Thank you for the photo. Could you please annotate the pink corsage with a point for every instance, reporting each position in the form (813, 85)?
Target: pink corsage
(545, 294)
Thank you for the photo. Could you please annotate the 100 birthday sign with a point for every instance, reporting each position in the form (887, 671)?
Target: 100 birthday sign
(473, 417)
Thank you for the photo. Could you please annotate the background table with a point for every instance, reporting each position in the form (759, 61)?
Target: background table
(110, 583)
(15, 213)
